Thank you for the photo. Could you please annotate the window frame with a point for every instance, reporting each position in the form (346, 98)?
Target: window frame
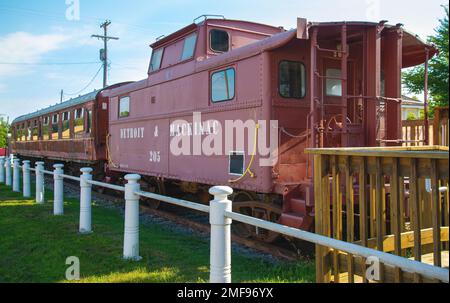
(326, 83)
(162, 49)
(279, 80)
(236, 153)
(211, 84)
(210, 40)
(195, 33)
(119, 116)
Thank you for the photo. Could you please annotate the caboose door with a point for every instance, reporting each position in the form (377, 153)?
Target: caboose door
(336, 107)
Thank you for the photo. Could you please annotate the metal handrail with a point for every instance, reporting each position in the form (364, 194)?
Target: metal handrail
(73, 178)
(106, 185)
(179, 202)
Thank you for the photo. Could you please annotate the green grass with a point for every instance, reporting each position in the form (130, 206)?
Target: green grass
(34, 246)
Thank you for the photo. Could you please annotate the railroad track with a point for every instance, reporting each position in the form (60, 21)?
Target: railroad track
(196, 221)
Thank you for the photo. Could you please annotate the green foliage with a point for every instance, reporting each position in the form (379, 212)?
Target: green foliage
(413, 79)
(34, 246)
(4, 129)
(411, 116)
(422, 115)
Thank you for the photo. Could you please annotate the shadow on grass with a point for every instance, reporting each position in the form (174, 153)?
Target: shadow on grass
(35, 245)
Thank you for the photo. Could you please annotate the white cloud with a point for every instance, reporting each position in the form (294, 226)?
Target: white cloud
(22, 47)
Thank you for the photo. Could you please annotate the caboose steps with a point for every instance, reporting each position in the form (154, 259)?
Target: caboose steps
(297, 205)
(296, 220)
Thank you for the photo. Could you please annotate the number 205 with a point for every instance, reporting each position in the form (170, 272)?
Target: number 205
(155, 156)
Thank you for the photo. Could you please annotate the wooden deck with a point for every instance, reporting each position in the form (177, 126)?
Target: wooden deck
(380, 198)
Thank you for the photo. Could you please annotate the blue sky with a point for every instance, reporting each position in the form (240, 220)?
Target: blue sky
(36, 37)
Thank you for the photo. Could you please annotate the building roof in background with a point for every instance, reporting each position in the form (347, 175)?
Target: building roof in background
(410, 101)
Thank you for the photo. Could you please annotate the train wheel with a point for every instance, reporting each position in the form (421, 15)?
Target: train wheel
(262, 211)
(238, 228)
(155, 187)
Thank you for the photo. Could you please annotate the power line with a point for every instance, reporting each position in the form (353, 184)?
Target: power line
(90, 82)
(59, 17)
(104, 52)
(47, 63)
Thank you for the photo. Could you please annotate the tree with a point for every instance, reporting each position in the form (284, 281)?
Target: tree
(4, 129)
(414, 78)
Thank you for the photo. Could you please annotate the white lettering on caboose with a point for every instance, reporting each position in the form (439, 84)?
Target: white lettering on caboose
(132, 133)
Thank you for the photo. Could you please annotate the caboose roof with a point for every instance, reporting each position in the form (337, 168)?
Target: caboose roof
(191, 27)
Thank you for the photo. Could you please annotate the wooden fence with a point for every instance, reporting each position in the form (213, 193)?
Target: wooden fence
(413, 131)
(393, 200)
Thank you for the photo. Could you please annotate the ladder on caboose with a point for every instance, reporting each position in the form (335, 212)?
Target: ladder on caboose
(298, 206)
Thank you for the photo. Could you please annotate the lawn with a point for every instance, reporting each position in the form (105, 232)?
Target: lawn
(34, 246)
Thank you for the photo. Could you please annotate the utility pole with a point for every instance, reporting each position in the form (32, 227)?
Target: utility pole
(104, 52)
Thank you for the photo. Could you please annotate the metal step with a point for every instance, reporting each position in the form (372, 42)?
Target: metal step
(292, 219)
(297, 205)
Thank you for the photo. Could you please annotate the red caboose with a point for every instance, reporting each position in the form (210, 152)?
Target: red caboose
(236, 103)
(334, 84)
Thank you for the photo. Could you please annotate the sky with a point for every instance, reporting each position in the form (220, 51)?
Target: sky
(46, 45)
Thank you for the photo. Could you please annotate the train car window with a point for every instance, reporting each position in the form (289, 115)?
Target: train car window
(155, 61)
(79, 123)
(29, 137)
(219, 40)
(55, 127)
(45, 129)
(236, 165)
(222, 85)
(124, 107)
(35, 131)
(22, 133)
(89, 121)
(66, 125)
(189, 46)
(292, 79)
(333, 84)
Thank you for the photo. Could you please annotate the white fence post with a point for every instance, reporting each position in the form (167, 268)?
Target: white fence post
(131, 234)
(58, 190)
(40, 198)
(26, 178)
(2, 169)
(16, 175)
(8, 181)
(220, 251)
(85, 201)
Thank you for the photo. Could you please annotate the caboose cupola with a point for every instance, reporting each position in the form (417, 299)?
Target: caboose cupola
(206, 39)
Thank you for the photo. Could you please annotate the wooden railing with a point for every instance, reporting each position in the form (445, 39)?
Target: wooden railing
(391, 199)
(413, 131)
(440, 126)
